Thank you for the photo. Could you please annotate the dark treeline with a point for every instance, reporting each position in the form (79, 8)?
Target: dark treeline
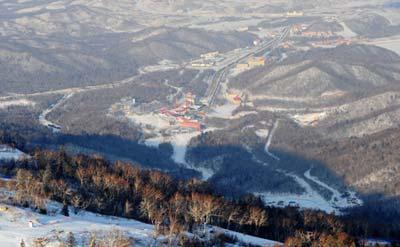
(121, 189)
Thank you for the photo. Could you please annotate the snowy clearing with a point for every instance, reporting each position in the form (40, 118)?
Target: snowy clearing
(262, 133)
(15, 225)
(179, 143)
(8, 153)
(309, 119)
(223, 111)
(150, 122)
(248, 239)
(338, 199)
(347, 32)
(311, 198)
(18, 224)
(19, 102)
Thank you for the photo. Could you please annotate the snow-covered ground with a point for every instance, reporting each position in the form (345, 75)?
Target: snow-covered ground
(347, 32)
(163, 65)
(223, 111)
(262, 133)
(43, 117)
(18, 224)
(8, 153)
(248, 239)
(311, 198)
(15, 225)
(269, 140)
(179, 143)
(338, 198)
(309, 119)
(150, 122)
(17, 102)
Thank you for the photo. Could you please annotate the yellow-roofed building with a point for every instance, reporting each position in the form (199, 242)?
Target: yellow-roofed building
(256, 61)
(242, 66)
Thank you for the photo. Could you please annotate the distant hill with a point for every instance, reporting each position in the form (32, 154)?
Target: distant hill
(349, 69)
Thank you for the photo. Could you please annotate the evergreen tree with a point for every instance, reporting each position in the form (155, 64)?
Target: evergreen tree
(47, 176)
(65, 210)
(71, 242)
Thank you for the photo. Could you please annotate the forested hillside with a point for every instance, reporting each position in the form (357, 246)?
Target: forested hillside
(173, 206)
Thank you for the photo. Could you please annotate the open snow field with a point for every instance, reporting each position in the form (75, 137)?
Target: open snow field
(15, 225)
(8, 153)
(17, 102)
(311, 198)
(179, 143)
(18, 224)
(249, 239)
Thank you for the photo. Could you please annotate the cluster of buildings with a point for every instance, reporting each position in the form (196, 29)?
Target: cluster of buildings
(294, 13)
(207, 60)
(287, 45)
(303, 30)
(298, 29)
(203, 64)
(210, 55)
(235, 97)
(327, 37)
(186, 114)
(317, 34)
(252, 62)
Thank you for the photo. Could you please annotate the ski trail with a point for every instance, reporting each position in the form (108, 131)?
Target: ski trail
(43, 117)
(311, 194)
(269, 140)
(337, 198)
(308, 175)
(178, 90)
(311, 198)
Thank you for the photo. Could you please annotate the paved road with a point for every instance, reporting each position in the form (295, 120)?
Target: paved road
(221, 74)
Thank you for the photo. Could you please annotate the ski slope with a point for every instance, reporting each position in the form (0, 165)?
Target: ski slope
(312, 198)
(337, 198)
(269, 140)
